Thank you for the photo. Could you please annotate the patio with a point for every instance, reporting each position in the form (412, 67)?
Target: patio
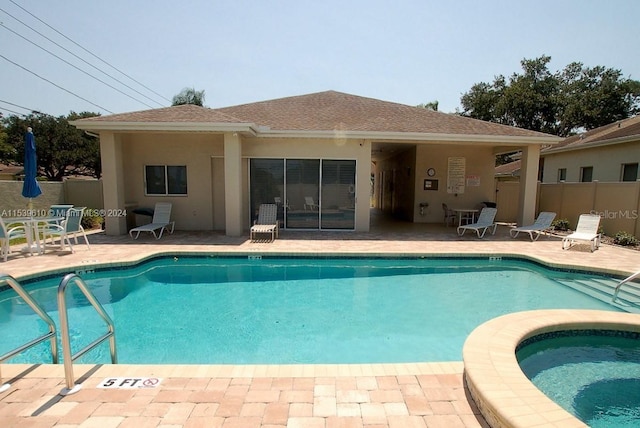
(376, 395)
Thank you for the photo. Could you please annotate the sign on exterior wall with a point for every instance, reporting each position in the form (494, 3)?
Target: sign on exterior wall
(473, 180)
(455, 175)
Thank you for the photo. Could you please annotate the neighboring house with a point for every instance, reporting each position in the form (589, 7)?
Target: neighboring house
(325, 158)
(610, 153)
(508, 171)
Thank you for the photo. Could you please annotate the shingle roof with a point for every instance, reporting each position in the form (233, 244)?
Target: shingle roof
(621, 130)
(322, 111)
(331, 110)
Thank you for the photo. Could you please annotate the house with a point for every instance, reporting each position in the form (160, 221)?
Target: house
(324, 158)
(9, 172)
(609, 153)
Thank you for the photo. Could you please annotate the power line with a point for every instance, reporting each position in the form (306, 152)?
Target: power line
(91, 53)
(19, 106)
(11, 111)
(81, 59)
(77, 68)
(54, 84)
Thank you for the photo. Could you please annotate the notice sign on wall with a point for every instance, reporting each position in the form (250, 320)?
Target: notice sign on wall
(456, 175)
(129, 382)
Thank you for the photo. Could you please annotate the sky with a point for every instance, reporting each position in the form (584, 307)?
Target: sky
(120, 55)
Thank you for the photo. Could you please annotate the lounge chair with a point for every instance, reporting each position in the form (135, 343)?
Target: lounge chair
(485, 222)
(541, 225)
(71, 226)
(310, 204)
(586, 230)
(159, 223)
(267, 222)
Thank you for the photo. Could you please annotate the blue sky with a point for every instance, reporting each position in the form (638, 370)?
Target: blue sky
(239, 51)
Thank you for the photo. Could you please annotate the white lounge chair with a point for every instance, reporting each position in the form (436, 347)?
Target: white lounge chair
(310, 204)
(586, 230)
(485, 222)
(267, 222)
(160, 222)
(541, 225)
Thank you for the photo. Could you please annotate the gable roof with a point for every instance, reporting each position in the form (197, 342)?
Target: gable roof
(622, 131)
(318, 114)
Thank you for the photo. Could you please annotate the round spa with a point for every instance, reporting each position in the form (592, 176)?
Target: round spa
(589, 358)
(593, 374)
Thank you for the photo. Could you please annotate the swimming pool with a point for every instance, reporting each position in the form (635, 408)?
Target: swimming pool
(219, 310)
(593, 374)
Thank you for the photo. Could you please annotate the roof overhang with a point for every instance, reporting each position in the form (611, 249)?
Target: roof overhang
(589, 145)
(97, 126)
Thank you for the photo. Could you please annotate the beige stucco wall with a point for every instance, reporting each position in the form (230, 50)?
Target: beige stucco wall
(13, 204)
(193, 211)
(606, 161)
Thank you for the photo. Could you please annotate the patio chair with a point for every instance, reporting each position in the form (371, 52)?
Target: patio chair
(586, 230)
(267, 222)
(541, 225)
(449, 215)
(485, 222)
(7, 234)
(71, 226)
(160, 222)
(310, 204)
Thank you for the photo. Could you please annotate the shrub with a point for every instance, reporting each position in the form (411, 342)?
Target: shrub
(560, 224)
(625, 239)
(91, 221)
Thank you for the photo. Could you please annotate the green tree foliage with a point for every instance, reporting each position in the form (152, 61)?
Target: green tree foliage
(61, 148)
(560, 103)
(433, 105)
(189, 96)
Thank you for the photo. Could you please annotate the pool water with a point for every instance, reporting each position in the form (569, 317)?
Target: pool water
(208, 310)
(594, 375)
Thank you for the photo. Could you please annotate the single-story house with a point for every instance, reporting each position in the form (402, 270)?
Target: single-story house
(610, 153)
(325, 159)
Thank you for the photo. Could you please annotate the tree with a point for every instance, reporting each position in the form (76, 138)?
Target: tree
(433, 105)
(189, 96)
(61, 148)
(560, 103)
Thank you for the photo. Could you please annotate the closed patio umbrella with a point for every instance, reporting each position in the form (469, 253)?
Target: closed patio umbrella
(30, 188)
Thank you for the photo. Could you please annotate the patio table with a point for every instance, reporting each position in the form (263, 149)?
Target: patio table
(32, 230)
(464, 213)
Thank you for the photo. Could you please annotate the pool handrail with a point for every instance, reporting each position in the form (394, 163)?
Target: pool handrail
(15, 285)
(68, 358)
(621, 283)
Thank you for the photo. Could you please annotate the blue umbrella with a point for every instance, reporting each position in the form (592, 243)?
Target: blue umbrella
(30, 188)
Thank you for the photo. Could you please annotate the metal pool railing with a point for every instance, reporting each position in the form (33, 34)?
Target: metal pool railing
(51, 335)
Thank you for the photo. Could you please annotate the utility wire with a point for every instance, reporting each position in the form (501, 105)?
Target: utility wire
(22, 107)
(11, 111)
(77, 68)
(81, 59)
(91, 53)
(54, 84)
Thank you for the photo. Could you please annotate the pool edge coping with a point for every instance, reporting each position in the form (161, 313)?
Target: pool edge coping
(499, 388)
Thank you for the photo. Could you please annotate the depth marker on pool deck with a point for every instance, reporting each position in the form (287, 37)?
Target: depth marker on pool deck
(130, 382)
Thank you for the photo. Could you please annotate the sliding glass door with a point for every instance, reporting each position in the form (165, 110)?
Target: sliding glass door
(310, 193)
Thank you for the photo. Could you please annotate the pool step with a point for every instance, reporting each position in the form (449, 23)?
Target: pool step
(602, 289)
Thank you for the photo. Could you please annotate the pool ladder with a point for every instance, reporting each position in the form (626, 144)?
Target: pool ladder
(51, 335)
(621, 283)
(69, 358)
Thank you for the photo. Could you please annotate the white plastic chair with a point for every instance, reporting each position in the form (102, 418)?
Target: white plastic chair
(586, 230)
(310, 204)
(159, 223)
(70, 227)
(7, 234)
(541, 225)
(485, 222)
